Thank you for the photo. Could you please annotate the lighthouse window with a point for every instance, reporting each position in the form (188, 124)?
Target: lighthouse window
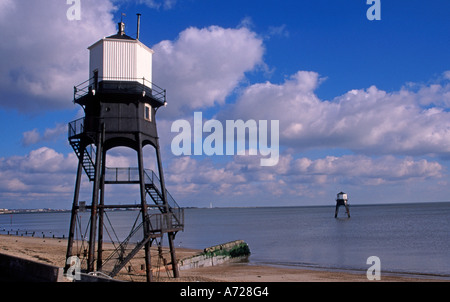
(148, 112)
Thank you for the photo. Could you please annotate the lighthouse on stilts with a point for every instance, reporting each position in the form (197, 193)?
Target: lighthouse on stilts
(120, 103)
(342, 200)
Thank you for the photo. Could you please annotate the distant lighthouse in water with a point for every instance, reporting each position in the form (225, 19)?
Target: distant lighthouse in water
(342, 200)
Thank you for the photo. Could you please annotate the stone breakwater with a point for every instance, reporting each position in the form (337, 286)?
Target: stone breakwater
(235, 251)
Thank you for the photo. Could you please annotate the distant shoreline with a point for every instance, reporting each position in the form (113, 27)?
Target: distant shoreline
(48, 210)
(28, 211)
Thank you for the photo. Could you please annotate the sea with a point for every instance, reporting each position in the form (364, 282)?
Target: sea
(408, 239)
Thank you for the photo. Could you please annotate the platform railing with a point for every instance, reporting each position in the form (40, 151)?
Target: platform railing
(76, 127)
(98, 85)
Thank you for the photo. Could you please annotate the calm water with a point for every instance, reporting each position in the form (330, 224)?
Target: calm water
(408, 238)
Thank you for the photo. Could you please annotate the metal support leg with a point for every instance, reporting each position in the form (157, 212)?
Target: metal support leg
(347, 209)
(171, 236)
(73, 217)
(101, 213)
(93, 230)
(147, 246)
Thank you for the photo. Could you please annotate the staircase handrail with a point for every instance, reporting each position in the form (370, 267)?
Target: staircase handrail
(132, 175)
(76, 127)
(157, 223)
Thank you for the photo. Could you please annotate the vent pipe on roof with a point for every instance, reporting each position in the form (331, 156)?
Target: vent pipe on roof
(121, 28)
(138, 26)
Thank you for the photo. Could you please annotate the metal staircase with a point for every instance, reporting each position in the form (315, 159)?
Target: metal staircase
(128, 176)
(85, 154)
(161, 218)
(123, 253)
(117, 175)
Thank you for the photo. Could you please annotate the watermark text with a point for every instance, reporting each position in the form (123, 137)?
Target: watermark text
(74, 11)
(374, 271)
(74, 270)
(213, 144)
(374, 12)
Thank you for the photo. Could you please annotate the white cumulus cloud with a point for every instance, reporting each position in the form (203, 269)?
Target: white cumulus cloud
(46, 53)
(39, 177)
(33, 136)
(368, 121)
(203, 66)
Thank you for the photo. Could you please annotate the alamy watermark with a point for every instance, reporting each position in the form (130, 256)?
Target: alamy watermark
(74, 11)
(374, 12)
(374, 271)
(74, 270)
(213, 144)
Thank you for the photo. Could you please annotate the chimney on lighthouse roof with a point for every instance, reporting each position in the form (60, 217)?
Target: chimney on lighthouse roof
(121, 28)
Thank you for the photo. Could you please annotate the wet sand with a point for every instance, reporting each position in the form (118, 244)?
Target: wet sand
(52, 251)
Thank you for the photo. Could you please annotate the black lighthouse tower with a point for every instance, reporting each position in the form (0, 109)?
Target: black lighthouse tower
(120, 103)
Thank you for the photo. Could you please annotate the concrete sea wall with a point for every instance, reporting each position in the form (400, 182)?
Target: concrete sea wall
(15, 269)
(235, 251)
(19, 269)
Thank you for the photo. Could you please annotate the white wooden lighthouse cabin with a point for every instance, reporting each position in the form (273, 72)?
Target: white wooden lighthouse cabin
(342, 196)
(342, 200)
(120, 58)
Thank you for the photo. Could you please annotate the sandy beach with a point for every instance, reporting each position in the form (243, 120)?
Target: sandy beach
(52, 251)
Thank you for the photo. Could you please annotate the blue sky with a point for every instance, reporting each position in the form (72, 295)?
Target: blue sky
(362, 105)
